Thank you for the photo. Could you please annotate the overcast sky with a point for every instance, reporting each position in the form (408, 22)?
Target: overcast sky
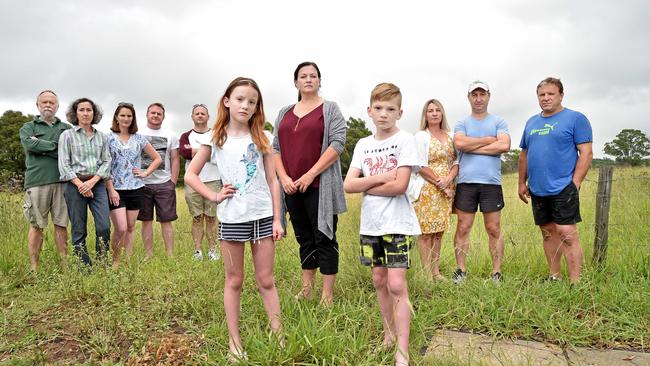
(183, 53)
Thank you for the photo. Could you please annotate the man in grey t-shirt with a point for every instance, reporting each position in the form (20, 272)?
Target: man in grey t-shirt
(160, 186)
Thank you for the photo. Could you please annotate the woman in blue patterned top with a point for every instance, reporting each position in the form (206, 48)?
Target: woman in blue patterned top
(125, 187)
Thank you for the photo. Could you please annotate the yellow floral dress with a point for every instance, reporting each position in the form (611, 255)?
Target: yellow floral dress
(433, 208)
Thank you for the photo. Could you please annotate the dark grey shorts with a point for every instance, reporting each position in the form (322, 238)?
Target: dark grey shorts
(562, 208)
(470, 195)
(162, 197)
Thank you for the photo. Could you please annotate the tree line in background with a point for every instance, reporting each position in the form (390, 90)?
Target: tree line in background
(631, 147)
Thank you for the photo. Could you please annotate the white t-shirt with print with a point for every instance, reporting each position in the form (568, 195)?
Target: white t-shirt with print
(381, 215)
(241, 164)
(209, 172)
(164, 142)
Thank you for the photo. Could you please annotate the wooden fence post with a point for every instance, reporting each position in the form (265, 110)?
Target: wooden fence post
(603, 199)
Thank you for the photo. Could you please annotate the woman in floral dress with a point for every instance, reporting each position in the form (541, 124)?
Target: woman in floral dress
(436, 186)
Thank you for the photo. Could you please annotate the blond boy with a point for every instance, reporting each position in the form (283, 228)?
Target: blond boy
(380, 168)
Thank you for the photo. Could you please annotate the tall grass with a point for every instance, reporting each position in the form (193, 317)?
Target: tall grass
(170, 310)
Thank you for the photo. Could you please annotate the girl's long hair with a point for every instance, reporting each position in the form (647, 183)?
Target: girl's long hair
(255, 123)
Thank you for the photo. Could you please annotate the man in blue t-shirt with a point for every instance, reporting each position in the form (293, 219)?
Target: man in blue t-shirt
(556, 153)
(480, 138)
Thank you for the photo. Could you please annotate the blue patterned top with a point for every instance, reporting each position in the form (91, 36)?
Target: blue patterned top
(125, 157)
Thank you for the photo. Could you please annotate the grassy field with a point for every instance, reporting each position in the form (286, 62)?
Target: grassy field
(170, 310)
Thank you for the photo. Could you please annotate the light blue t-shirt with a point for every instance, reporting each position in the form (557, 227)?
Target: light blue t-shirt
(477, 168)
(125, 157)
(550, 144)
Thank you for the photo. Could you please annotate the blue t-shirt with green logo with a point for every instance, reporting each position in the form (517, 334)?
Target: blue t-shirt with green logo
(550, 143)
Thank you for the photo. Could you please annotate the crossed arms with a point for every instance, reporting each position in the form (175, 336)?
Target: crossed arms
(391, 183)
(488, 145)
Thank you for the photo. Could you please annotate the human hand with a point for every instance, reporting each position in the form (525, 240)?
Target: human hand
(388, 176)
(85, 187)
(448, 192)
(288, 185)
(278, 231)
(577, 184)
(523, 192)
(443, 183)
(226, 192)
(114, 197)
(140, 173)
(303, 182)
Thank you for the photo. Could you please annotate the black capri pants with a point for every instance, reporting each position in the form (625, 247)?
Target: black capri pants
(316, 249)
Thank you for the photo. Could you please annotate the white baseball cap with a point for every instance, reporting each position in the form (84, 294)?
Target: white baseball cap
(478, 84)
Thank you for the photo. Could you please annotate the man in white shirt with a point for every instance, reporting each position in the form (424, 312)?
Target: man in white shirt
(160, 186)
(201, 208)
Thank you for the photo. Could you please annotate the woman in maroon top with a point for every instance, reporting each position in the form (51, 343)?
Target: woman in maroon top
(310, 135)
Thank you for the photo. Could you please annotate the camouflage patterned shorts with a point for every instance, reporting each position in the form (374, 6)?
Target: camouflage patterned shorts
(391, 251)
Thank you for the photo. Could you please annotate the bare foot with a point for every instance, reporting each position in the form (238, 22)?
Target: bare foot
(440, 277)
(304, 294)
(326, 301)
(401, 358)
(236, 353)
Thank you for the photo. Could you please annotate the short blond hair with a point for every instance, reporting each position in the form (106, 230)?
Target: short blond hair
(386, 91)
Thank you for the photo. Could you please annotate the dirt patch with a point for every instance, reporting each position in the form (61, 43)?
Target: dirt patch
(469, 348)
(174, 349)
(63, 349)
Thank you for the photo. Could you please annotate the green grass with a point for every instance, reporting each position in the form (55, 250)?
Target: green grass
(171, 310)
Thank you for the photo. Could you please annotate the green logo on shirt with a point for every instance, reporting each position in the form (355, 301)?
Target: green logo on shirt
(543, 131)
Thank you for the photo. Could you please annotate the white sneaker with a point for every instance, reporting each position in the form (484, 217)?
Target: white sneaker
(198, 255)
(213, 255)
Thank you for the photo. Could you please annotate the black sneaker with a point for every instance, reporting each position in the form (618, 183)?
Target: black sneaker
(497, 277)
(458, 276)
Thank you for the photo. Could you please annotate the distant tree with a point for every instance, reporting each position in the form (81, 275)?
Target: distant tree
(268, 126)
(510, 161)
(12, 155)
(630, 147)
(356, 130)
(598, 162)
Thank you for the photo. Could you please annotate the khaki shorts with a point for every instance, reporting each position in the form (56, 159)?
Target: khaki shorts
(198, 204)
(41, 200)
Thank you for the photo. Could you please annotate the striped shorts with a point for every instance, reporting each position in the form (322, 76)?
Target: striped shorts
(246, 231)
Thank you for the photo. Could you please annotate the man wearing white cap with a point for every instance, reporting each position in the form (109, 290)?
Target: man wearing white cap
(481, 138)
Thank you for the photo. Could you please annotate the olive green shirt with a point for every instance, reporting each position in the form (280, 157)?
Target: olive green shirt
(40, 141)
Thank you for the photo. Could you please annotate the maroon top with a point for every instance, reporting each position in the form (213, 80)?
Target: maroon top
(301, 141)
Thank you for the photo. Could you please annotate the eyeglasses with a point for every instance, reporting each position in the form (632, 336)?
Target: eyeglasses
(199, 105)
(124, 104)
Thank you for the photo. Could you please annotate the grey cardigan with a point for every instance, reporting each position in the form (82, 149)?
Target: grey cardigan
(331, 198)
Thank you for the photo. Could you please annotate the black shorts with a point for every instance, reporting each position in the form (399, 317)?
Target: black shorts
(132, 199)
(470, 195)
(562, 208)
